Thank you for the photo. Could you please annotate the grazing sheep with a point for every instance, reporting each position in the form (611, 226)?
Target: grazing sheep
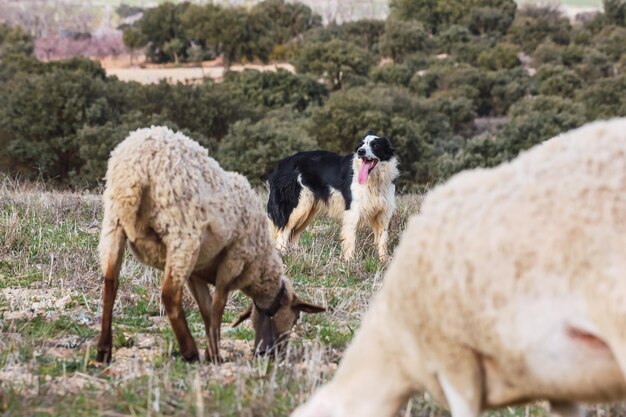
(508, 287)
(183, 214)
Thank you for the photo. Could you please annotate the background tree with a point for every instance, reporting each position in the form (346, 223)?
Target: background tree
(402, 38)
(615, 12)
(333, 61)
(133, 40)
(163, 28)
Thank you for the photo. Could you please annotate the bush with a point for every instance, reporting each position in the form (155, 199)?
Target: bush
(456, 36)
(535, 24)
(364, 33)
(507, 87)
(481, 16)
(333, 61)
(348, 114)
(486, 20)
(394, 74)
(253, 149)
(611, 41)
(535, 119)
(615, 12)
(503, 56)
(14, 41)
(276, 89)
(43, 113)
(553, 80)
(604, 99)
(402, 38)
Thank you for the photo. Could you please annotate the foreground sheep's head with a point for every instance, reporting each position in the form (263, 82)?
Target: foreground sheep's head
(272, 325)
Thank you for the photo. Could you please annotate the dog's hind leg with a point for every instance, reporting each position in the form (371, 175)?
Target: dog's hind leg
(299, 218)
(303, 225)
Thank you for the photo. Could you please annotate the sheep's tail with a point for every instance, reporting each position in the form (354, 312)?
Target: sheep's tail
(123, 200)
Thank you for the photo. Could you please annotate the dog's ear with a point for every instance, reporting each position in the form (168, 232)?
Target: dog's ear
(387, 144)
(243, 316)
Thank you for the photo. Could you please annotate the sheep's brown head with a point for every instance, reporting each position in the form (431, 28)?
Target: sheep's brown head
(272, 325)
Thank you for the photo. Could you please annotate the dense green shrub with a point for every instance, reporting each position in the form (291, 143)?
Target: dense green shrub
(365, 33)
(555, 80)
(605, 98)
(503, 56)
(454, 37)
(437, 15)
(14, 41)
(507, 87)
(535, 119)
(611, 41)
(403, 38)
(394, 74)
(535, 24)
(43, 113)
(253, 149)
(333, 61)
(276, 89)
(615, 12)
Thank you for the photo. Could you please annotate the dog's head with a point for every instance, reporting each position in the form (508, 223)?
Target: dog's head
(371, 151)
(272, 325)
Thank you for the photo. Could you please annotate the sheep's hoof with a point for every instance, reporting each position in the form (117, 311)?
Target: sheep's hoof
(191, 357)
(214, 359)
(104, 355)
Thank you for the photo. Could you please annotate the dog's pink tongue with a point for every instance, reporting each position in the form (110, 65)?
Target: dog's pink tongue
(364, 172)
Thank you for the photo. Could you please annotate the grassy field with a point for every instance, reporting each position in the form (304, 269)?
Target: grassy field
(50, 310)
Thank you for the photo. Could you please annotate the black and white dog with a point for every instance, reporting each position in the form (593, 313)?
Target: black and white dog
(357, 189)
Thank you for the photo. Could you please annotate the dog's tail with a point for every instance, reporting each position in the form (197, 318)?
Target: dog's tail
(283, 198)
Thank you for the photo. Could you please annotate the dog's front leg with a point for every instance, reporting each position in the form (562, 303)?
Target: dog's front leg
(348, 233)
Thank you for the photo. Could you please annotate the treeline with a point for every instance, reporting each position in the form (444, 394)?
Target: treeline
(454, 84)
(191, 32)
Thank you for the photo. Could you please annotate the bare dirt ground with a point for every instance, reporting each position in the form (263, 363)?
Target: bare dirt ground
(145, 73)
(186, 75)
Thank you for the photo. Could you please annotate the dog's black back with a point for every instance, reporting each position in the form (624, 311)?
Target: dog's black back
(318, 170)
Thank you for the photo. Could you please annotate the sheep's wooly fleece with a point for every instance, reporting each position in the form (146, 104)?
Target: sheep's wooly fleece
(514, 267)
(188, 193)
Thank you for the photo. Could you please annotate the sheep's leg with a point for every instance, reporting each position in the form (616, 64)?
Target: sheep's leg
(201, 293)
(217, 312)
(230, 268)
(461, 382)
(177, 269)
(566, 409)
(112, 244)
(348, 233)
(380, 225)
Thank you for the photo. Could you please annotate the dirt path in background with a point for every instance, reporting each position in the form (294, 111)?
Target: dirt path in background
(187, 74)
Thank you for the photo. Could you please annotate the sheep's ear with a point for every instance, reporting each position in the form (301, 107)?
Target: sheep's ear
(305, 307)
(243, 316)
